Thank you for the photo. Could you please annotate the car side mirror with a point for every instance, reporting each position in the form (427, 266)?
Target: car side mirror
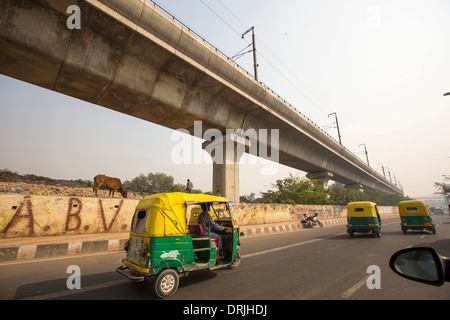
(421, 264)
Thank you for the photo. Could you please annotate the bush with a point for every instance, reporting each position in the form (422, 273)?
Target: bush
(293, 190)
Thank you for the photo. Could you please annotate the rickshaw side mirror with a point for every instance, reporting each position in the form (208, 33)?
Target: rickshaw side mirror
(422, 264)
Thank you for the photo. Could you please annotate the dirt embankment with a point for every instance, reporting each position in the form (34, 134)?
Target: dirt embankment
(30, 184)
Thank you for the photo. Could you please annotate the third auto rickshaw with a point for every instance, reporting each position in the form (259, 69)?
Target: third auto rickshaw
(363, 217)
(166, 241)
(414, 215)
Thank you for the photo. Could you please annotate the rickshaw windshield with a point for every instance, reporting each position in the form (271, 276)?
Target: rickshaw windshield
(221, 211)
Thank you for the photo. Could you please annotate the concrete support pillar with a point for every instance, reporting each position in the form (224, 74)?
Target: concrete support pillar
(323, 176)
(354, 186)
(226, 151)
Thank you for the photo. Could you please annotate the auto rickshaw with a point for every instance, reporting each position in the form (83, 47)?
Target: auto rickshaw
(363, 217)
(166, 241)
(414, 215)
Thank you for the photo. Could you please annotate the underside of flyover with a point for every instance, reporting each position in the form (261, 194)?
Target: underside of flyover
(130, 57)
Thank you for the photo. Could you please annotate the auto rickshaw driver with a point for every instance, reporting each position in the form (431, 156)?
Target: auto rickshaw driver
(207, 223)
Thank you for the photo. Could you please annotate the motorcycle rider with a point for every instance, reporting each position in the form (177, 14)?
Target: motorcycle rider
(316, 220)
(303, 219)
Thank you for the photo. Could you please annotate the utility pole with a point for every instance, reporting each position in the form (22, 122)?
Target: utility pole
(365, 150)
(384, 174)
(337, 125)
(255, 64)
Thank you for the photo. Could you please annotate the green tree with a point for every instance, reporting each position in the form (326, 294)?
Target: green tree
(153, 183)
(383, 198)
(443, 188)
(341, 196)
(294, 190)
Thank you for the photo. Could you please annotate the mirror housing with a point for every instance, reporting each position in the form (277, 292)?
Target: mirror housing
(422, 264)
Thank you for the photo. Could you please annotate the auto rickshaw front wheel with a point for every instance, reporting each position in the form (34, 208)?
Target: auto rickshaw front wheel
(166, 283)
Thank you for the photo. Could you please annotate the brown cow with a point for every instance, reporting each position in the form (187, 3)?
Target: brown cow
(113, 184)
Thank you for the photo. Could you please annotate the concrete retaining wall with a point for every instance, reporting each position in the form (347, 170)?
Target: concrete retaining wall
(23, 216)
(258, 213)
(31, 216)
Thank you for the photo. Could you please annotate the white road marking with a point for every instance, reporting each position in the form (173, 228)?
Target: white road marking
(286, 247)
(347, 294)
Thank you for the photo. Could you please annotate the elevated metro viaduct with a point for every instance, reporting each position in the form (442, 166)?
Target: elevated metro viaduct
(131, 57)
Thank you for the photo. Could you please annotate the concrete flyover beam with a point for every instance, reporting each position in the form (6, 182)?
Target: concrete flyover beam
(323, 176)
(354, 186)
(131, 57)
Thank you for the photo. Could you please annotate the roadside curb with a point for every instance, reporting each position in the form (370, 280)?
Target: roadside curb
(37, 251)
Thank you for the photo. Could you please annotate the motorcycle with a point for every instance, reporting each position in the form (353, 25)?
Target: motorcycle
(311, 222)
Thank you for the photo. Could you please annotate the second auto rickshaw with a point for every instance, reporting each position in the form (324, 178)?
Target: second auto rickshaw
(166, 241)
(363, 217)
(414, 215)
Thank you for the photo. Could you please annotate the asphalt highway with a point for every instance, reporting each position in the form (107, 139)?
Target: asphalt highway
(317, 264)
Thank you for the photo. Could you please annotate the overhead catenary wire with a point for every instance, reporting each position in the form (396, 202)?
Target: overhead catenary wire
(348, 134)
(293, 74)
(223, 20)
(272, 65)
(267, 60)
(240, 54)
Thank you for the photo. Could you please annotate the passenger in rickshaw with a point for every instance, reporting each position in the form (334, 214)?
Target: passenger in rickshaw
(207, 223)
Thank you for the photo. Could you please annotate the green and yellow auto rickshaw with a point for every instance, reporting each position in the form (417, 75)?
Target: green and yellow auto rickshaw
(414, 215)
(363, 217)
(166, 241)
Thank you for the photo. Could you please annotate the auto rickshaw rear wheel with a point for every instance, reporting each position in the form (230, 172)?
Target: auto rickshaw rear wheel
(166, 283)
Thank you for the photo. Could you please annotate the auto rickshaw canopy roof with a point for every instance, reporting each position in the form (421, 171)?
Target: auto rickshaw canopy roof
(361, 209)
(413, 208)
(167, 212)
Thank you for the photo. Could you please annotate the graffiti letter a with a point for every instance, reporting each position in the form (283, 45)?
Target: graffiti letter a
(17, 215)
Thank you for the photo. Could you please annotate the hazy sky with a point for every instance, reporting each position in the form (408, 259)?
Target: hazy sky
(382, 66)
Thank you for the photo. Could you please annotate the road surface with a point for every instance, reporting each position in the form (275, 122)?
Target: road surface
(320, 263)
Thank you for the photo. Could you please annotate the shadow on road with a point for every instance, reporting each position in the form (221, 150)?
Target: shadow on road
(103, 286)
